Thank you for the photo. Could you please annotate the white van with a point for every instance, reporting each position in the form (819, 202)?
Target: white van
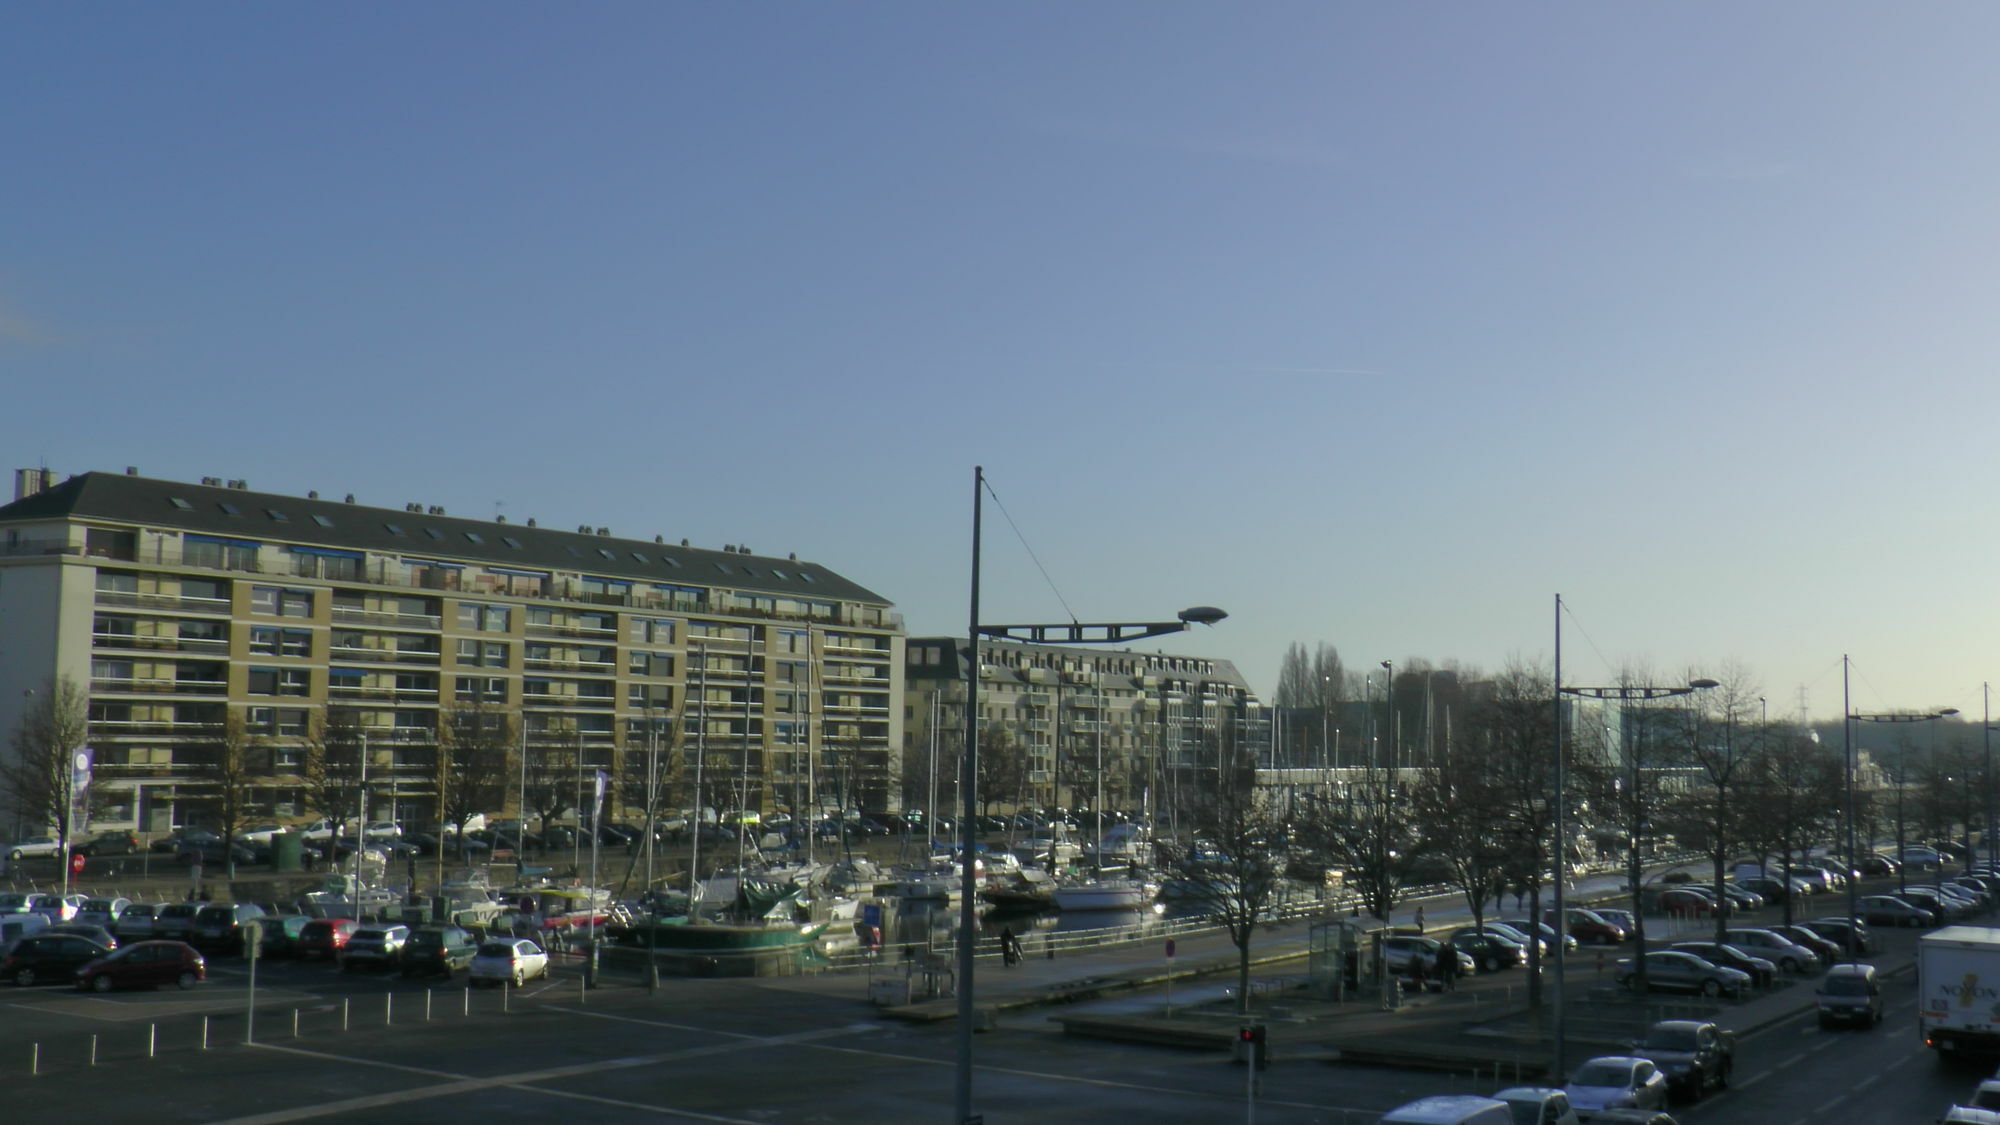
(14, 927)
(1451, 1109)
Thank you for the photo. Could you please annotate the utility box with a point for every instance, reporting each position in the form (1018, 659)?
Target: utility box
(889, 991)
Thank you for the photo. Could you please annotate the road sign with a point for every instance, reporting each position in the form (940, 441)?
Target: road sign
(1170, 948)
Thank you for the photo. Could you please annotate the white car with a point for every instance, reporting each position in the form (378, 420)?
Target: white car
(504, 960)
(1540, 1105)
(33, 846)
(1616, 1082)
(259, 833)
(61, 908)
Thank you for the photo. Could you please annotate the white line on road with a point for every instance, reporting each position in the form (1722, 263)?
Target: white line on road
(451, 1083)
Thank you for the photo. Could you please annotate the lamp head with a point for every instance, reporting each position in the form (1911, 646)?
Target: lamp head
(1202, 615)
(1947, 712)
(1703, 682)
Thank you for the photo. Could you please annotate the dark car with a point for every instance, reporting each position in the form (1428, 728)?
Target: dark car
(324, 937)
(219, 926)
(1490, 951)
(86, 931)
(211, 853)
(144, 964)
(46, 958)
(437, 950)
(1826, 948)
(109, 843)
(278, 934)
(1890, 910)
(1763, 971)
(1852, 938)
(175, 920)
(1696, 1055)
(1590, 927)
(1680, 971)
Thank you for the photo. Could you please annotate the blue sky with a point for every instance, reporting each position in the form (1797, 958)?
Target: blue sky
(1373, 324)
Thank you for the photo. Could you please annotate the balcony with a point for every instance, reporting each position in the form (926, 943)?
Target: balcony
(128, 600)
(158, 686)
(385, 694)
(147, 642)
(348, 615)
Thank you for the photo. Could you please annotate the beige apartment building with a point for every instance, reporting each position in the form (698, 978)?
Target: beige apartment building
(177, 605)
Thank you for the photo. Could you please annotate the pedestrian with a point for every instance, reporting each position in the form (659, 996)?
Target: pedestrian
(1447, 967)
(1420, 919)
(1010, 948)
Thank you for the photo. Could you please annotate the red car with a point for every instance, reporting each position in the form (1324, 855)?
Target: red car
(144, 964)
(324, 937)
(1689, 902)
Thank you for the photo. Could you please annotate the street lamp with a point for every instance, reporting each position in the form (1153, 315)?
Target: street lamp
(1622, 693)
(1072, 633)
(1850, 717)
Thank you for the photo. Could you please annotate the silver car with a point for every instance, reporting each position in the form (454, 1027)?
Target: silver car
(374, 947)
(1776, 948)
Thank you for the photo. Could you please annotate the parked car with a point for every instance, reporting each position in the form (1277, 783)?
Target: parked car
(145, 964)
(1853, 938)
(219, 927)
(1544, 931)
(1773, 889)
(438, 950)
(1773, 946)
(1763, 972)
(1518, 936)
(45, 958)
(1623, 919)
(1590, 927)
(1451, 1109)
(1826, 949)
(374, 947)
(1538, 1105)
(1893, 910)
(1878, 865)
(515, 960)
(33, 847)
(1697, 1056)
(1490, 951)
(87, 932)
(61, 908)
(324, 937)
(1680, 971)
(1616, 1081)
(278, 934)
(174, 921)
(213, 853)
(1689, 900)
(103, 912)
(109, 843)
(1849, 994)
(1403, 954)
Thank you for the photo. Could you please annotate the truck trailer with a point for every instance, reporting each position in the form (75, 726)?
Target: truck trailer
(1958, 990)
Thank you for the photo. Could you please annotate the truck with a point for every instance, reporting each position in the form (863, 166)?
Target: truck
(1958, 990)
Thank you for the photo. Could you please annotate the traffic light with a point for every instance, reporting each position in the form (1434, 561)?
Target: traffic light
(1250, 1043)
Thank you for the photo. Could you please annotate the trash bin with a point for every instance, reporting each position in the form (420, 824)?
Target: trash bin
(285, 850)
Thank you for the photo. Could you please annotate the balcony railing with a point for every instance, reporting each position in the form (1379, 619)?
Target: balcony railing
(348, 615)
(148, 642)
(130, 600)
(158, 685)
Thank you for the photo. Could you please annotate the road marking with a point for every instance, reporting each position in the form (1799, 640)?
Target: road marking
(451, 1083)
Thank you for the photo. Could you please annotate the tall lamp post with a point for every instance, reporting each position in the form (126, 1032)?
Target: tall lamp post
(1990, 836)
(1847, 729)
(1071, 633)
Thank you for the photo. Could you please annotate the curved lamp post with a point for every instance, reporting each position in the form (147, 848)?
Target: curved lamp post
(1072, 633)
(1849, 718)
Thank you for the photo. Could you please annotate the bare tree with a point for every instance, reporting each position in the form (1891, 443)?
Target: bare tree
(330, 768)
(36, 780)
(1796, 787)
(475, 745)
(1369, 831)
(1519, 723)
(1003, 767)
(1465, 814)
(229, 768)
(1229, 872)
(1710, 741)
(553, 780)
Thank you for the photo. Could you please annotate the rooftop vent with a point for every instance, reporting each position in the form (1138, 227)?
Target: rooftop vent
(417, 508)
(499, 519)
(212, 482)
(583, 529)
(435, 510)
(604, 531)
(239, 484)
(531, 521)
(131, 470)
(684, 542)
(350, 498)
(794, 556)
(661, 539)
(312, 495)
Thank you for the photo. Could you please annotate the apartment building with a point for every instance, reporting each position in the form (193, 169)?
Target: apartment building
(181, 606)
(1149, 726)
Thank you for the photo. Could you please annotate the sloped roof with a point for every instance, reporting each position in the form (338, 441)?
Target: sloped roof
(268, 517)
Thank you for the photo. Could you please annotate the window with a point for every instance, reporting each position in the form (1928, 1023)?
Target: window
(295, 642)
(487, 689)
(263, 642)
(482, 618)
(394, 529)
(475, 537)
(264, 600)
(230, 509)
(277, 515)
(723, 567)
(118, 581)
(434, 533)
(496, 656)
(322, 521)
(222, 554)
(279, 681)
(180, 503)
(511, 541)
(607, 553)
(639, 558)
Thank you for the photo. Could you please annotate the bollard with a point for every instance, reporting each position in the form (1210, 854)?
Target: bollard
(152, 1039)
(427, 1005)
(35, 1062)
(388, 1008)
(343, 1013)
(583, 990)
(295, 1023)
(506, 987)
(204, 1033)
(93, 1050)
(468, 999)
